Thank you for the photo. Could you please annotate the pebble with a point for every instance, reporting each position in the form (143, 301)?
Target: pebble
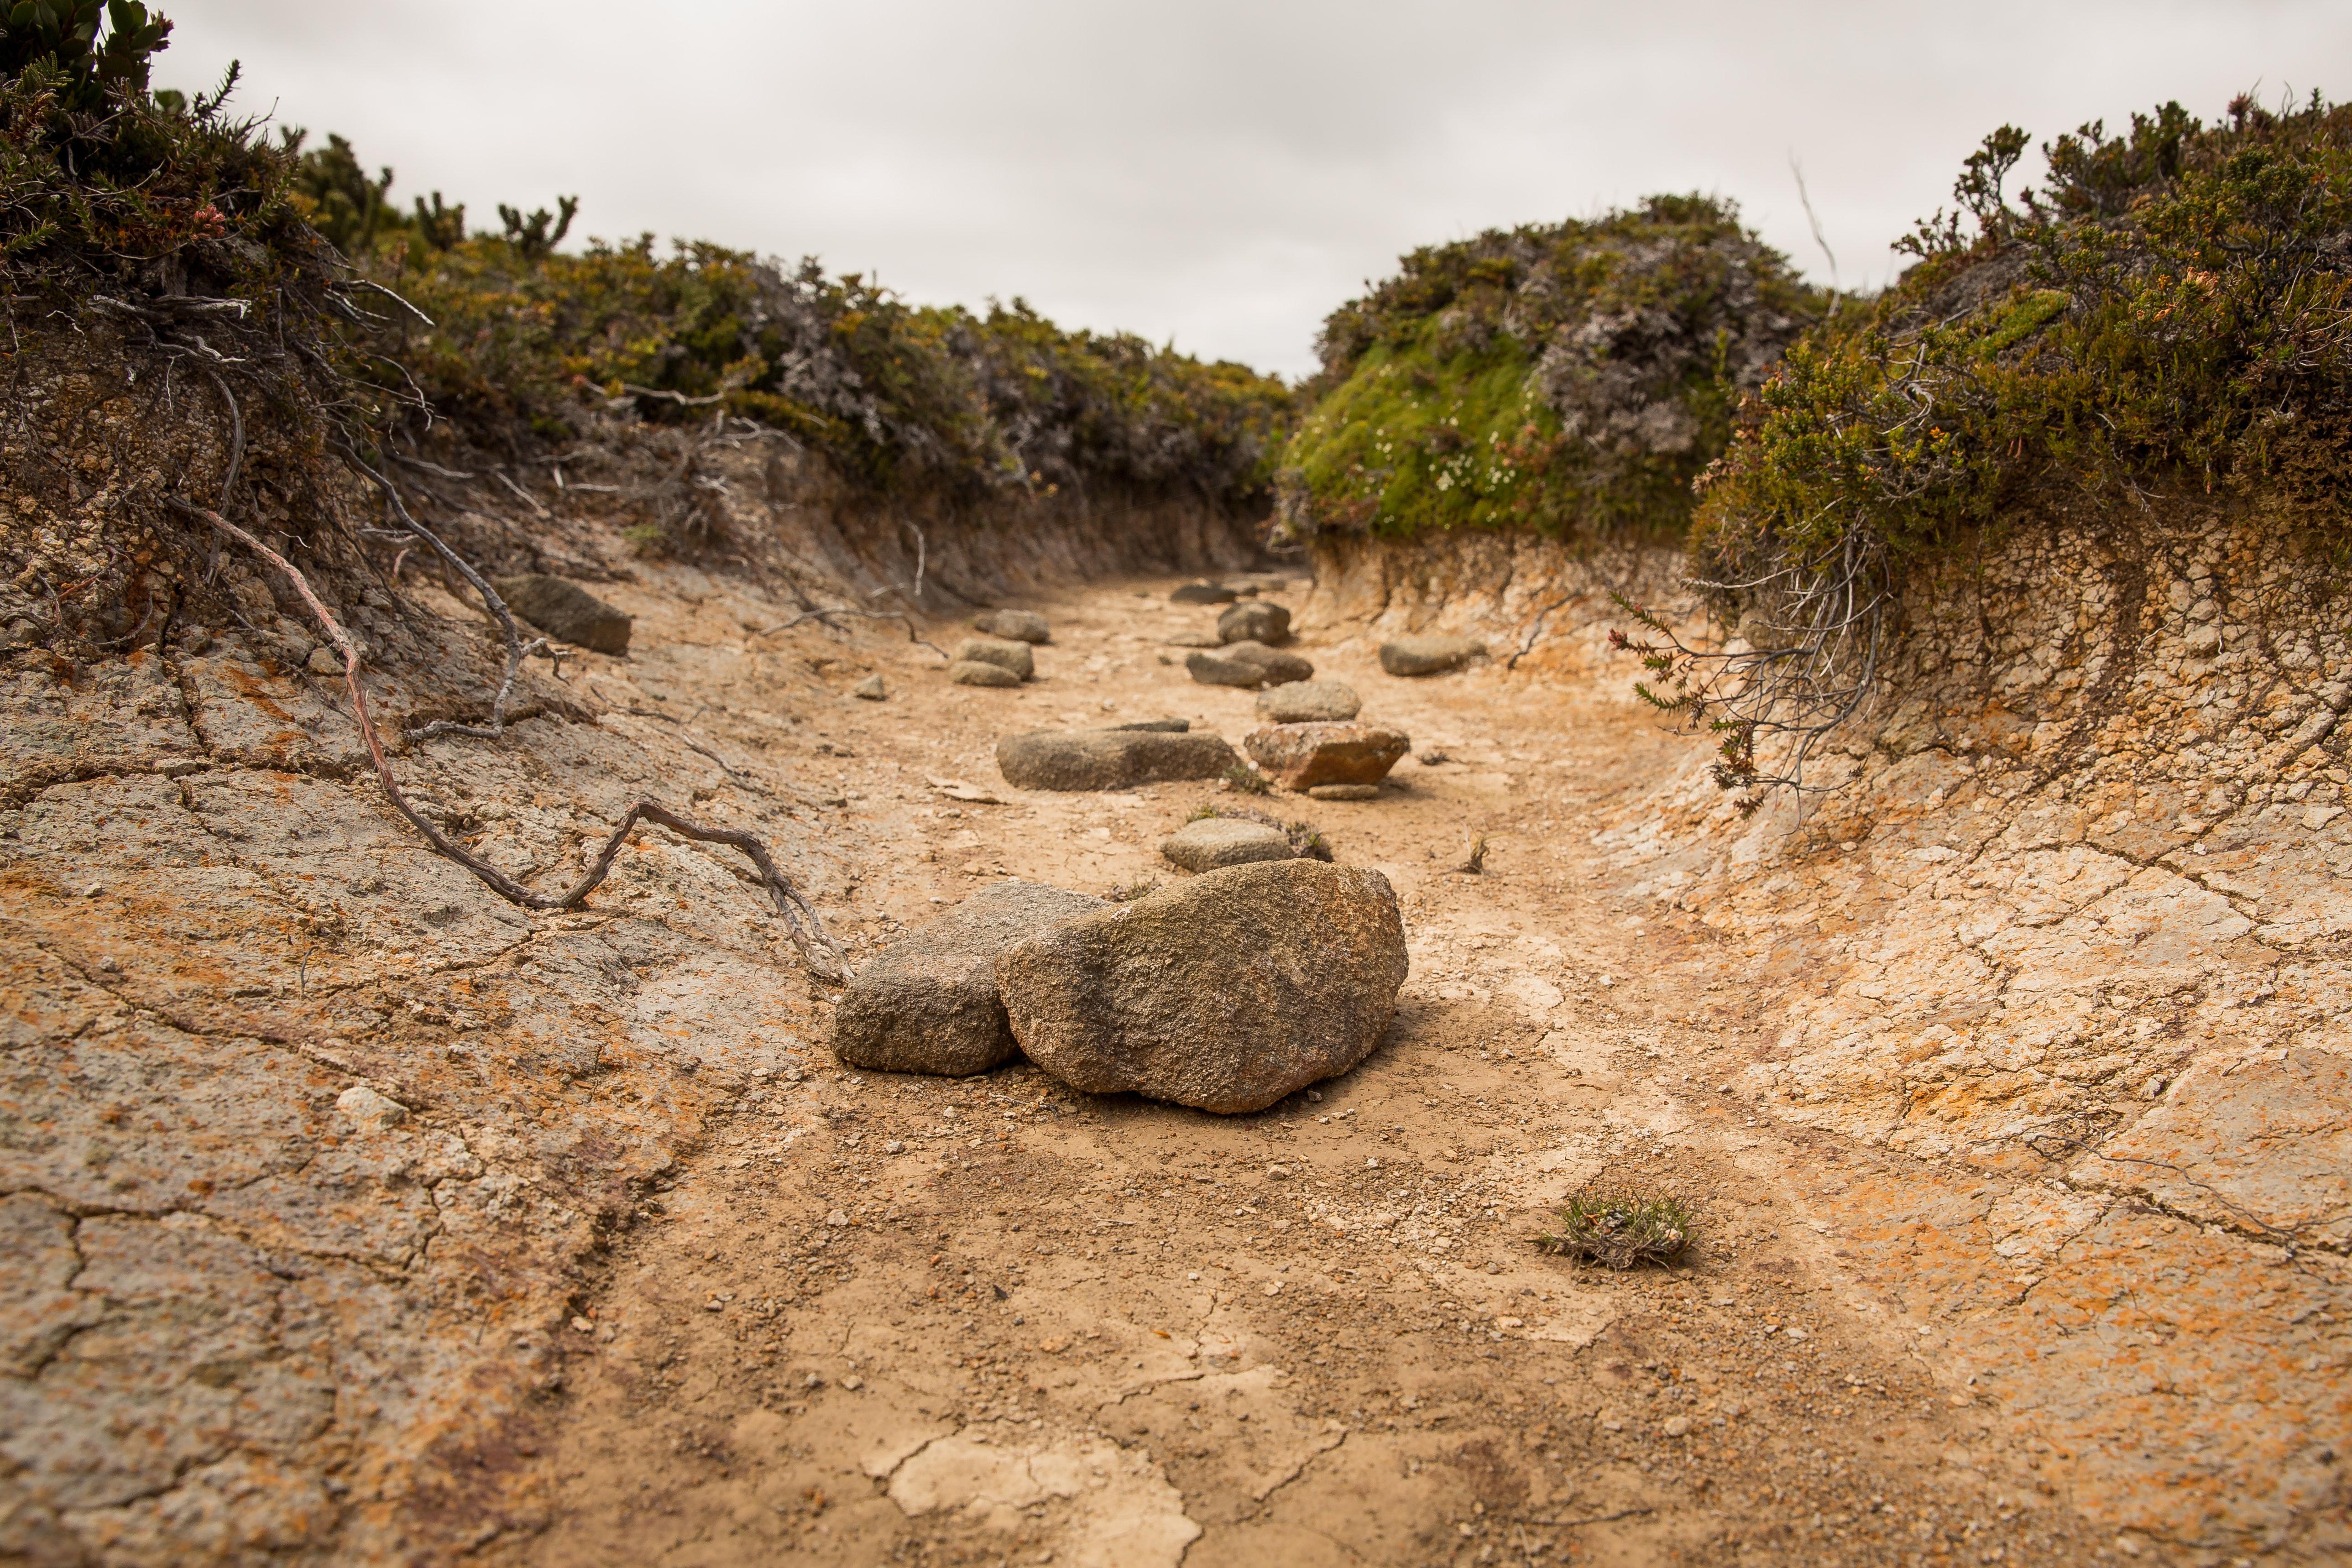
(871, 688)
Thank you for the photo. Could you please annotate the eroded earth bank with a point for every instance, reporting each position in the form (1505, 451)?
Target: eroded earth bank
(355, 1215)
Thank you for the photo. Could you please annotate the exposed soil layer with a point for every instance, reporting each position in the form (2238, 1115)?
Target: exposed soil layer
(368, 1218)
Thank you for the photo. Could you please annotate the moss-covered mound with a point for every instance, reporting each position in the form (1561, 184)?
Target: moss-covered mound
(1571, 378)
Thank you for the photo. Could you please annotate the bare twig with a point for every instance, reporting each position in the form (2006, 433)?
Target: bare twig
(235, 434)
(681, 399)
(821, 614)
(403, 304)
(521, 494)
(802, 923)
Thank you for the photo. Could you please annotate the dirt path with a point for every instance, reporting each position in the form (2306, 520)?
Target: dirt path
(884, 1319)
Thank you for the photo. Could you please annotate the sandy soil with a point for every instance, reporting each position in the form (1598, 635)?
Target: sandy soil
(877, 1318)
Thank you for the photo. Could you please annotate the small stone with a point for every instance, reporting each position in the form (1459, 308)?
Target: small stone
(871, 688)
(180, 767)
(1343, 791)
(1110, 759)
(1225, 992)
(1301, 756)
(1257, 621)
(852, 1383)
(323, 661)
(1215, 842)
(369, 1109)
(929, 1004)
(837, 1220)
(1247, 665)
(971, 673)
(1202, 594)
(567, 612)
(1020, 625)
(1001, 651)
(1675, 1425)
(893, 1146)
(1306, 702)
(1429, 654)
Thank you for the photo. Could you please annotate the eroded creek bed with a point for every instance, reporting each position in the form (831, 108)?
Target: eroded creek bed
(643, 1276)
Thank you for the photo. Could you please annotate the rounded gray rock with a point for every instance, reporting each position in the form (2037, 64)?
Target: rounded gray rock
(1247, 665)
(1257, 621)
(1202, 594)
(1019, 626)
(1429, 654)
(929, 1004)
(1215, 843)
(1225, 992)
(1306, 702)
(972, 672)
(567, 612)
(1003, 652)
(1110, 759)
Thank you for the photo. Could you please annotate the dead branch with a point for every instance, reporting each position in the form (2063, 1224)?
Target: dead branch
(681, 399)
(521, 494)
(517, 649)
(821, 614)
(802, 923)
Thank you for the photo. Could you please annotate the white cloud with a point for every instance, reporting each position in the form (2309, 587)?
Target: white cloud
(1218, 172)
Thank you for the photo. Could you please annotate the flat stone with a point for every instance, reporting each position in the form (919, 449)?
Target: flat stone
(1003, 652)
(1017, 626)
(1160, 726)
(929, 1004)
(1110, 759)
(972, 672)
(871, 688)
(1247, 665)
(1225, 992)
(1215, 842)
(1202, 594)
(1429, 654)
(1255, 622)
(1302, 756)
(566, 612)
(1344, 791)
(1304, 701)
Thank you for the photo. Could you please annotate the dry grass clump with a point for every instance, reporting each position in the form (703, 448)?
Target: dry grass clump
(1620, 1230)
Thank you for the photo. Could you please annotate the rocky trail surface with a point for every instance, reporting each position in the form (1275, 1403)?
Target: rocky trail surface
(364, 1215)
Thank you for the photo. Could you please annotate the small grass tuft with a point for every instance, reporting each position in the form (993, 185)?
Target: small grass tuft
(1203, 813)
(1248, 780)
(1307, 843)
(1620, 1229)
(1127, 892)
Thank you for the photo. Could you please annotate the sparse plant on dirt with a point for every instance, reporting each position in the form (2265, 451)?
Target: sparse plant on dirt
(1127, 892)
(1620, 1230)
(1247, 779)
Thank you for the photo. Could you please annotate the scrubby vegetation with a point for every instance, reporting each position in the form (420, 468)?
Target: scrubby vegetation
(2170, 314)
(1620, 1229)
(1571, 378)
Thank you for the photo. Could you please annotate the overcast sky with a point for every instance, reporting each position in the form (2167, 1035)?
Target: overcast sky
(1217, 172)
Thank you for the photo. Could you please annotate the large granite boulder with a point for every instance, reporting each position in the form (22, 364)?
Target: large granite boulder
(1017, 626)
(1225, 992)
(1002, 652)
(1255, 621)
(1429, 654)
(929, 1004)
(1248, 665)
(1301, 756)
(1110, 759)
(972, 672)
(566, 612)
(1304, 701)
(1215, 843)
(1202, 594)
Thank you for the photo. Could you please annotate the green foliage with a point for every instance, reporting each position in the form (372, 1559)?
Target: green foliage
(338, 197)
(1570, 378)
(2173, 311)
(1620, 1229)
(98, 49)
(530, 236)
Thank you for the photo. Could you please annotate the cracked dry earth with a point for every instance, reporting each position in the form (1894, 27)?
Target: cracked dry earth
(392, 1224)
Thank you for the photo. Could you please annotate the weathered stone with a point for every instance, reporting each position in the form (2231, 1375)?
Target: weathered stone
(1019, 626)
(566, 612)
(1109, 759)
(1301, 756)
(972, 672)
(1306, 702)
(1003, 652)
(1429, 654)
(1161, 726)
(871, 688)
(1215, 842)
(1202, 594)
(929, 1004)
(1223, 992)
(1257, 621)
(1344, 791)
(1247, 665)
